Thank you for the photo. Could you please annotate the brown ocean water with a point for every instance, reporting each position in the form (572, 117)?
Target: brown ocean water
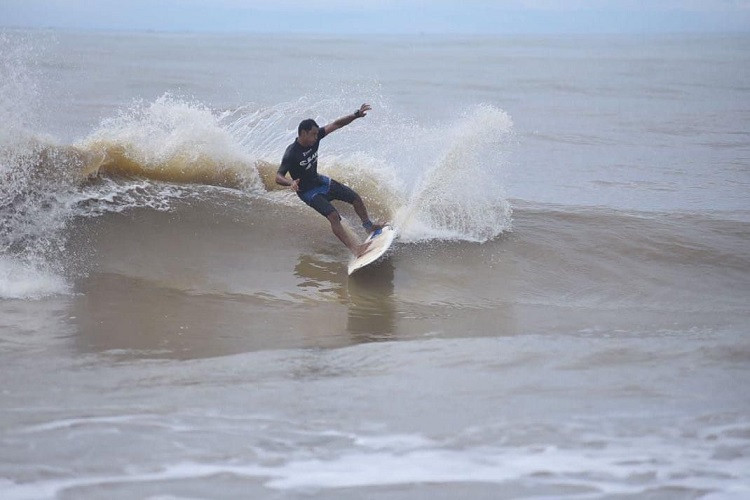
(564, 314)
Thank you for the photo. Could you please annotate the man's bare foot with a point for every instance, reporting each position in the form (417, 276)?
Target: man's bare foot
(375, 227)
(363, 248)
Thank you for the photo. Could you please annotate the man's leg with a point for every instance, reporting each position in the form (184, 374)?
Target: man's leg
(343, 235)
(359, 207)
(323, 206)
(342, 192)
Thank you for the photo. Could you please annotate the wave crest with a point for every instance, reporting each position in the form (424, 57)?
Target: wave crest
(172, 140)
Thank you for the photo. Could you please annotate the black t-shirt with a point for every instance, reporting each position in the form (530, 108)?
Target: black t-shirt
(302, 163)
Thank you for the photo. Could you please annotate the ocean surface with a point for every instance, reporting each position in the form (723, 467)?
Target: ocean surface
(565, 313)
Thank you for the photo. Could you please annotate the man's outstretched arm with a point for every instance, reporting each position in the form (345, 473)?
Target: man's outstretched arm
(346, 120)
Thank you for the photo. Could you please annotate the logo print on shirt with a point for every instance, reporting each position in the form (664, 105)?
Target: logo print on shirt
(308, 162)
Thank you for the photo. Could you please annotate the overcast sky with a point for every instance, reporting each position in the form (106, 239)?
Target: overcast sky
(384, 16)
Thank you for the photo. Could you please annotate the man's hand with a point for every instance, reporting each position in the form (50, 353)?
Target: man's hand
(282, 180)
(362, 111)
(346, 120)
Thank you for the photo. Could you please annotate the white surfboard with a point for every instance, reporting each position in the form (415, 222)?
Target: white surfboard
(380, 243)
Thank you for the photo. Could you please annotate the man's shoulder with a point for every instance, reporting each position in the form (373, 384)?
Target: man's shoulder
(287, 161)
(291, 150)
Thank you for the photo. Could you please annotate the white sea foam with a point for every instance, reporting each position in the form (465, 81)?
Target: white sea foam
(25, 281)
(631, 468)
(461, 195)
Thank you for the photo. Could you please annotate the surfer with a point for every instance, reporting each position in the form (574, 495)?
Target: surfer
(301, 162)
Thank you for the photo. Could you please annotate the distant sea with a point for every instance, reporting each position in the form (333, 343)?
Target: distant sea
(564, 315)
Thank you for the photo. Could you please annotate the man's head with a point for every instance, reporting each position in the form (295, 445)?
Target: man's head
(307, 132)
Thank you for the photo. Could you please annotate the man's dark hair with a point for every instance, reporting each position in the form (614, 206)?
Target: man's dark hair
(306, 125)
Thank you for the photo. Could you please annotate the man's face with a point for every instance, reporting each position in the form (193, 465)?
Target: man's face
(308, 137)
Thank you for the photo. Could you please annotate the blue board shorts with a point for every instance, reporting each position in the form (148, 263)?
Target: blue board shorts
(320, 197)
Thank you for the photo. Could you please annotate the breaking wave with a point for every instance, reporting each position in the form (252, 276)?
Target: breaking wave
(153, 153)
